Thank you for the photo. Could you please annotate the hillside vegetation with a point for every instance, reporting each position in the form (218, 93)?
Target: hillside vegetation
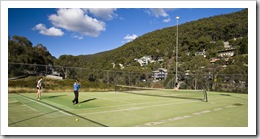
(193, 36)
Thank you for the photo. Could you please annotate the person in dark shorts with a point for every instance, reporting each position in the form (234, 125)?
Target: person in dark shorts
(176, 84)
(76, 92)
(39, 87)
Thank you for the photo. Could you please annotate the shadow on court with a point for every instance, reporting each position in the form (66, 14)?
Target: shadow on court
(225, 95)
(88, 100)
(49, 97)
(232, 96)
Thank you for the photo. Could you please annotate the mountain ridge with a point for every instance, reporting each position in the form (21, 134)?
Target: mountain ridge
(193, 36)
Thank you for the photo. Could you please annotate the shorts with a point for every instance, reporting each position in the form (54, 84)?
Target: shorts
(38, 88)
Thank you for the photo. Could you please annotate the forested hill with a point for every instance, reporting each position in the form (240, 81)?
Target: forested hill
(206, 34)
(193, 36)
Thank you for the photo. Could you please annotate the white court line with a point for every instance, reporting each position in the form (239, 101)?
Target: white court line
(217, 109)
(29, 107)
(23, 104)
(132, 103)
(128, 103)
(48, 106)
(167, 120)
(230, 106)
(138, 108)
(115, 100)
(183, 116)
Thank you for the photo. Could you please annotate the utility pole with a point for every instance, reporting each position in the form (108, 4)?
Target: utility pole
(177, 18)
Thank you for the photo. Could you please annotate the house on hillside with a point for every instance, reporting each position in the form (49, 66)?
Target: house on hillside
(214, 59)
(203, 53)
(160, 74)
(227, 46)
(54, 74)
(121, 66)
(143, 61)
(226, 53)
(160, 59)
(113, 65)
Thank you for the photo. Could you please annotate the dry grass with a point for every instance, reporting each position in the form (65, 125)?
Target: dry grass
(52, 85)
(33, 90)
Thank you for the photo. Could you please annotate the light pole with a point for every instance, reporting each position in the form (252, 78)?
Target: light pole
(177, 18)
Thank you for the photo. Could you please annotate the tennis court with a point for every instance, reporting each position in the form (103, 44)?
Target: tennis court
(118, 109)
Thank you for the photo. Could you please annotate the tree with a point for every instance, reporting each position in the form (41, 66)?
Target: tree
(20, 50)
(197, 66)
(67, 64)
(243, 49)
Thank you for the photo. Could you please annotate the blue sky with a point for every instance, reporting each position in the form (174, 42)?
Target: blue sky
(88, 31)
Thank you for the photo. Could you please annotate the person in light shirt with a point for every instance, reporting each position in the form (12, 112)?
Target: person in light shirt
(39, 87)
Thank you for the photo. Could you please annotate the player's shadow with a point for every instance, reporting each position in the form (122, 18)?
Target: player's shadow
(87, 100)
(225, 95)
(49, 97)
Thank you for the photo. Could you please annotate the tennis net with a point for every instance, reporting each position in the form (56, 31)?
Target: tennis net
(160, 92)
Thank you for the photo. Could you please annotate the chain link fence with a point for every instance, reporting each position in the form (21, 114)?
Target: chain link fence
(108, 78)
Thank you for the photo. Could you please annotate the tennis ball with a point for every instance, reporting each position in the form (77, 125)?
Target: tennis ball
(77, 120)
(79, 105)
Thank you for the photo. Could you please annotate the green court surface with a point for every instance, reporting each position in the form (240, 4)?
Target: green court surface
(115, 109)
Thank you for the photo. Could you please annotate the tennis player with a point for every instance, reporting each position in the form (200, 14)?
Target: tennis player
(76, 92)
(39, 87)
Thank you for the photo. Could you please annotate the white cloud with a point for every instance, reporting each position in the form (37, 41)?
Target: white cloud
(75, 36)
(158, 12)
(76, 20)
(49, 32)
(104, 13)
(167, 20)
(129, 38)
